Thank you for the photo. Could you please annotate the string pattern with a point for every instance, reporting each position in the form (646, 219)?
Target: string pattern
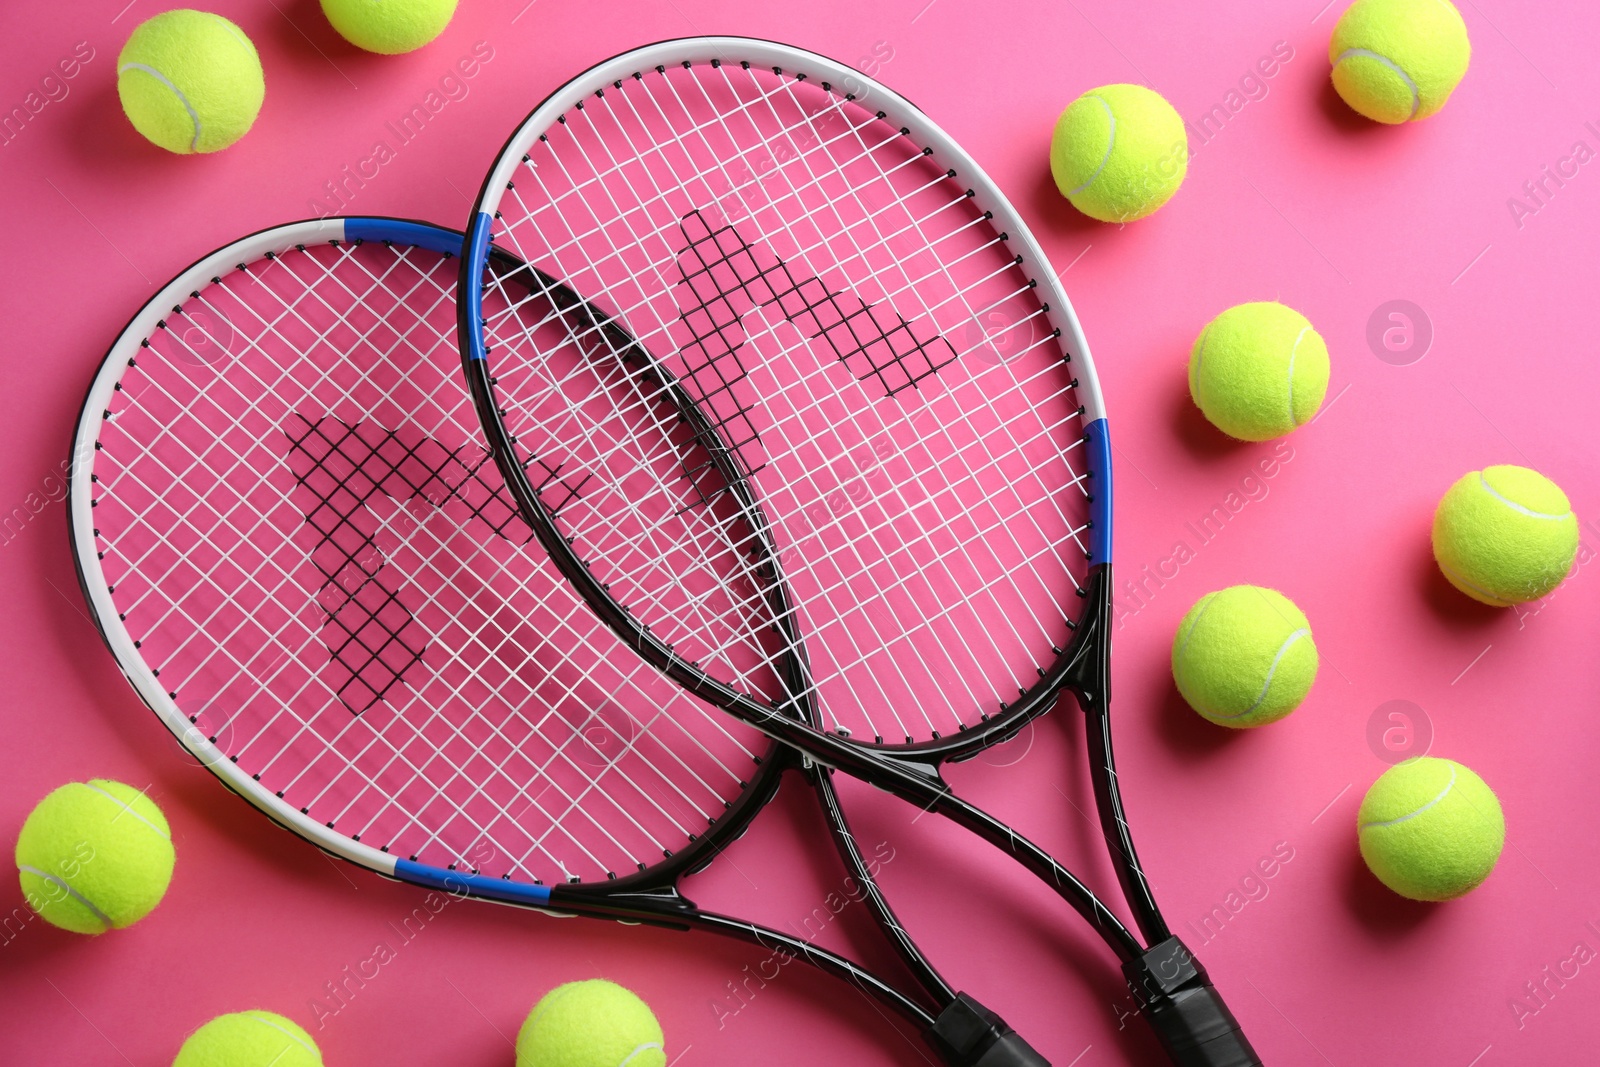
(372, 635)
(725, 277)
(299, 526)
(858, 336)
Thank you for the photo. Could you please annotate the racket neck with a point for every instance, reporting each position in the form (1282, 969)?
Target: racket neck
(1092, 687)
(850, 852)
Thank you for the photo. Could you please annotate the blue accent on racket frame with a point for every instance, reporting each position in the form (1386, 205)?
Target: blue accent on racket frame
(417, 234)
(1097, 438)
(458, 884)
(471, 297)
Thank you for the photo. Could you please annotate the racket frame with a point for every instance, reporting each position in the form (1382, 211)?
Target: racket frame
(906, 775)
(649, 897)
(1173, 989)
(909, 771)
(1070, 668)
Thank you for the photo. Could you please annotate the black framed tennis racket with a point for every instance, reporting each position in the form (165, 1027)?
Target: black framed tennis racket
(792, 398)
(303, 559)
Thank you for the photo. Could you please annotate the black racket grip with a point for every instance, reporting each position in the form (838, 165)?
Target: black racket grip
(1187, 1013)
(967, 1034)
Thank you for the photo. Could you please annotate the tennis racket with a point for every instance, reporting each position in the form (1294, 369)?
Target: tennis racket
(821, 440)
(306, 564)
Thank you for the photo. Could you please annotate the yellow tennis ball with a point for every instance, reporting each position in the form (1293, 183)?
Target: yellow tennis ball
(95, 856)
(1505, 535)
(1119, 152)
(1258, 371)
(1398, 60)
(595, 1023)
(1430, 829)
(249, 1039)
(190, 81)
(389, 26)
(1243, 656)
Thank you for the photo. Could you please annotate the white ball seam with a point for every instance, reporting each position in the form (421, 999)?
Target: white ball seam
(1451, 784)
(648, 1046)
(194, 116)
(1416, 100)
(1513, 505)
(128, 809)
(1271, 670)
(105, 920)
(236, 33)
(1490, 596)
(1183, 659)
(257, 1016)
(1111, 142)
(548, 1002)
(1293, 349)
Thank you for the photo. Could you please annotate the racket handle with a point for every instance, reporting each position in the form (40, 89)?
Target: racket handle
(967, 1034)
(1185, 1010)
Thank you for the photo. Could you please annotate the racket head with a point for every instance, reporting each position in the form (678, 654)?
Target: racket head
(802, 250)
(281, 425)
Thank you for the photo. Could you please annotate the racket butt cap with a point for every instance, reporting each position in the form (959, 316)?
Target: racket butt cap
(967, 1034)
(1186, 1012)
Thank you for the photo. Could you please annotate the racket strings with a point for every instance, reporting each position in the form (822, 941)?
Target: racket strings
(585, 244)
(671, 259)
(650, 395)
(640, 206)
(558, 204)
(646, 498)
(575, 804)
(722, 351)
(445, 799)
(252, 408)
(550, 199)
(370, 630)
(268, 390)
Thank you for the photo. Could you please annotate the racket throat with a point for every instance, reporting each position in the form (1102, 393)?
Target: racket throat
(967, 1034)
(647, 907)
(1087, 671)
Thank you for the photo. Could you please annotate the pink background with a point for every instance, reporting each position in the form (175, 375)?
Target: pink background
(1293, 198)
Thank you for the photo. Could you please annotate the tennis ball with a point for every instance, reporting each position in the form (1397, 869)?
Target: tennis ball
(1398, 60)
(389, 26)
(1119, 152)
(1505, 535)
(249, 1039)
(1243, 656)
(1430, 829)
(190, 81)
(1258, 371)
(94, 856)
(590, 1024)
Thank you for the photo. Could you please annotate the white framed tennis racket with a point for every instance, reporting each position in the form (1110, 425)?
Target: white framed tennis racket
(793, 399)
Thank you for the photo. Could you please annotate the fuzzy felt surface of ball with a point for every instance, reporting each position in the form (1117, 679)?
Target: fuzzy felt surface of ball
(1505, 535)
(1119, 152)
(592, 1023)
(389, 27)
(249, 1039)
(190, 81)
(1258, 371)
(1244, 656)
(95, 856)
(1398, 61)
(1430, 829)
